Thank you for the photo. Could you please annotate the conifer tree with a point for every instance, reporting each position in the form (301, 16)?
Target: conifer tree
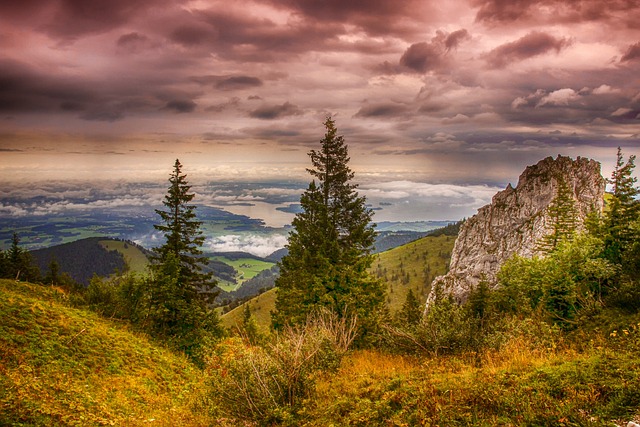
(624, 209)
(179, 291)
(182, 232)
(19, 264)
(411, 314)
(562, 214)
(330, 245)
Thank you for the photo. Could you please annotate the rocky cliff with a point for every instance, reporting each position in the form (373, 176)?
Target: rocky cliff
(517, 219)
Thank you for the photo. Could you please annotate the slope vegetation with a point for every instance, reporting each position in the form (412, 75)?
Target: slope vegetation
(65, 366)
(411, 266)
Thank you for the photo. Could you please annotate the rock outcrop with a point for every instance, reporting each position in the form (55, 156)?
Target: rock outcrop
(517, 219)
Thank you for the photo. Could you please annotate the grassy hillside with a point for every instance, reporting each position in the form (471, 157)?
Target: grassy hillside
(411, 266)
(135, 257)
(522, 385)
(65, 366)
(82, 259)
(260, 306)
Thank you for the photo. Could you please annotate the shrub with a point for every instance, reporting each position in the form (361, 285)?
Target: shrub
(267, 384)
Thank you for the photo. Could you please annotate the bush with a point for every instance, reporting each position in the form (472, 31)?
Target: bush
(267, 384)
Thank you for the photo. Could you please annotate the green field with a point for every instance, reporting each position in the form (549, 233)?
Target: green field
(247, 268)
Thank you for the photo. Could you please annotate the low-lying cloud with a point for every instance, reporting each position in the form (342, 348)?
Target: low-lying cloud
(261, 246)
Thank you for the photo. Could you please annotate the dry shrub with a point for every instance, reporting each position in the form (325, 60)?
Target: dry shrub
(267, 384)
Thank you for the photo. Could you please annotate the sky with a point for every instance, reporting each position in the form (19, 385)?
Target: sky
(442, 103)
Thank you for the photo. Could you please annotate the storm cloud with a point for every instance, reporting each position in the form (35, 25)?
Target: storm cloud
(240, 89)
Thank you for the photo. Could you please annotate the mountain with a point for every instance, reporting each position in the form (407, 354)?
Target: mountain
(84, 258)
(517, 219)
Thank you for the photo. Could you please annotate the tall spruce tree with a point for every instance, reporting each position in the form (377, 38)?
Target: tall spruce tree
(562, 215)
(179, 290)
(623, 213)
(330, 245)
(182, 232)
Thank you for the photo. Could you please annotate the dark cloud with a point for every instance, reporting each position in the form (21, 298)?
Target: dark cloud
(218, 108)
(181, 105)
(23, 88)
(375, 17)
(133, 42)
(421, 57)
(238, 82)
(387, 109)
(131, 39)
(611, 12)
(632, 53)
(428, 56)
(454, 39)
(70, 19)
(243, 36)
(502, 10)
(103, 115)
(193, 34)
(233, 82)
(270, 112)
(533, 44)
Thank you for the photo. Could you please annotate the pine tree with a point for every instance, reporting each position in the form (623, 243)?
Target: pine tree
(179, 291)
(562, 214)
(182, 231)
(330, 245)
(19, 264)
(624, 210)
(411, 314)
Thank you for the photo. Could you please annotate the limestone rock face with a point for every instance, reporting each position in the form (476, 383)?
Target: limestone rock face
(516, 220)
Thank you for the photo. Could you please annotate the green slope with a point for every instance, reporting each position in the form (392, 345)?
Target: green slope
(66, 366)
(134, 256)
(411, 266)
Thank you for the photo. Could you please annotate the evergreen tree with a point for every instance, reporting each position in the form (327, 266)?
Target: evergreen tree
(179, 291)
(182, 232)
(19, 264)
(330, 245)
(411, 313)
(624, 210)
(562, 214)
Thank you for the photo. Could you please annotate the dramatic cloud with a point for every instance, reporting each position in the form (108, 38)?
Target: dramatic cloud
(382, 110)
(421, 57)
(271, 112)
(466, 92)
(238, 82)
(181, 105)
(613, 12)
(632, 53)
(533, 44)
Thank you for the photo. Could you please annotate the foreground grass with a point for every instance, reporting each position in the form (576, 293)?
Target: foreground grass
(65, 366)
(520, 386)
